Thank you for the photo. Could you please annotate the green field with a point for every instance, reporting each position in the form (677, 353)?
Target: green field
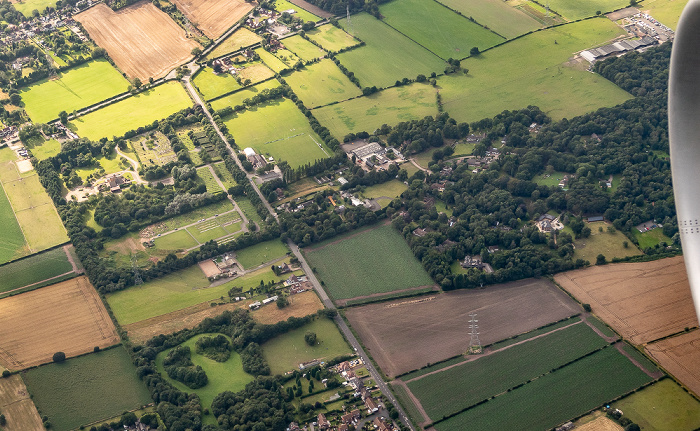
(285, 352)
(224, 175)
(368, 113)
(77, 88)
(176, 291)
(212, 85)
(388, 55)
(350, 266)
(386, 192)
(667, 12)
(531, 71)
(207, 177)
(556, 397)
(239, 39)
(248, 209)
(12, 244)
(274, 62)
(282, 5)
(651, 238)
(27, 6)
(437, 28)
(302, 48)
(239, 96)
(662, 406)
(256, 72)
(110, 164)
(133, 112)
(331, 38)
(462, 386)
(86, 389)
(608, 244)
(291, 139)
(551, 179)
(176, 241)
(497, 15)
(41, 148)
(258, 254)
(223, 376)
(321, 83)
(34, 269)
(573, 10)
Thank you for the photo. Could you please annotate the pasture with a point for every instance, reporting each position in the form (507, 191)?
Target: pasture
(679, 355)
(261, 253)
(608, 244)
(667, 12)
(302, 48)
(291, 139)
(240, 38)
(321, 83)
(141, 39)
(26, 7)
(273, 62)
(177, 291)
(285, 352)
(212, 85)
(368, 113)
(364, 263)
(11, 237)
(34, 269)
(331, 38)
(17, 406)
(214, 17)
(255, 72)
(223, 376)
(133, 112)
(83, 390)
(663, 405)
(390, 189)
(282, 5)
(77, 88)
(405, 335)
(392, 55)
(438, 29)
(43, 149)
(597, 378)
(237, 98)
(642, 301)
(457, 387)
(67, 317)
(497, 15)
(533, 70)
(574, 10)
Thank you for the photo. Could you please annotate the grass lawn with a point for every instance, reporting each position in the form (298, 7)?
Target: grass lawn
(258, 254)
(283, 5)
(662, 406)
(610, 245)
(285, 352)
(34, 269)
(212, 85)
(368, 113)
(331, 38)
(272, 61)
(573, 10)
(321, 83)
(667, 12)
(86, 389)
(77, 88)
(388, 55)
(133, 112)
(279, 129)
(248, 209)
(239, 39)
(239, 96)
(390, 189)
(43, 149)
(224, 175)
(552, 179)
(223, 376)
(497, 15)
(462, 386)
(207, 178)
(598, 378)
(437, 28)
(109, 164)
(302, 48)
(651, 238)
(532, 71)
(12, 243)
(176, 291)
(27, 6)
(176, 241)
(365, 262)
(463, 149)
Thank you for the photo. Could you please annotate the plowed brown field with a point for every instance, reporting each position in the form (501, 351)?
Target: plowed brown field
(407, 334)
(680, 356)
(141, 39)
(67, 317)
(642, 301)
(18, 408)
(213, 17)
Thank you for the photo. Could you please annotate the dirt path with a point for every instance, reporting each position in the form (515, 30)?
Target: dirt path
(38, 282)
(419, 406)
(414, 163)
(584, 318)
(244, 226)
(654, 375)
(77, 270)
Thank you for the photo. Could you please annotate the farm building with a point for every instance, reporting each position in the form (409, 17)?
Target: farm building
(595, 54)
(255, 305)
(270, 299)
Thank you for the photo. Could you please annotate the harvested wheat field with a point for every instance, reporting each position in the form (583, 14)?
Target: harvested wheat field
(300, 305)
(68, 317)
(213, 17)
(680, 356)
(141, 39)
(19, 410)
(642, 301)
(407, 334)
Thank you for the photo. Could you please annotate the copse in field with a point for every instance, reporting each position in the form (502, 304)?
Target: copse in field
(59, 357)
(179, 367)
(217, 348)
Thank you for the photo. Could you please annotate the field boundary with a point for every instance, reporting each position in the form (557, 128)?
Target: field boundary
(14, 213)
(380, 297)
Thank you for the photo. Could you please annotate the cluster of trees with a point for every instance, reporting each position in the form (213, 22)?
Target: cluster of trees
(179, 366)
(260, 406)
(337, 7)
(418, 135)
(253, 360)
(216, 348)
